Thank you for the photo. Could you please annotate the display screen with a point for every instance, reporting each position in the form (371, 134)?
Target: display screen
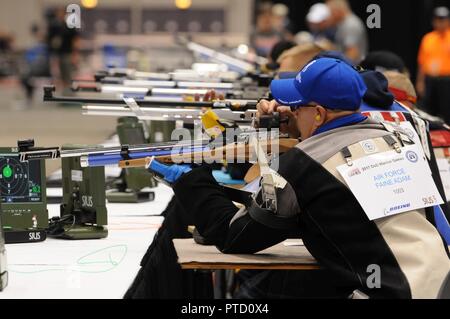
(20, 182)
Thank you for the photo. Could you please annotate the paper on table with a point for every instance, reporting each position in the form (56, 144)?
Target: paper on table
(101, 268)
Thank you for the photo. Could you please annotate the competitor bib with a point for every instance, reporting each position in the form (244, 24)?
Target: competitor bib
(391, 183)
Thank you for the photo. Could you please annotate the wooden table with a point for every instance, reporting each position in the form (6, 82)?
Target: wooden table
(278, 257)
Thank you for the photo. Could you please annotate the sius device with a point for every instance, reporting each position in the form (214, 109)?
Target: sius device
(23, 197)
(129, 187)
(83, 210)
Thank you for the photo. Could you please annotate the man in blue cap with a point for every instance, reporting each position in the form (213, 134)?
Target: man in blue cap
(326, 104)
(313, 200)
(379, 102)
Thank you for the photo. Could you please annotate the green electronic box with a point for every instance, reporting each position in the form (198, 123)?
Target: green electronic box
(23, 198)
(83, 210)
(129, 188)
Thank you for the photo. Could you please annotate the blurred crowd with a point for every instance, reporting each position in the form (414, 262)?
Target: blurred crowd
(52, 54)
(333, 26)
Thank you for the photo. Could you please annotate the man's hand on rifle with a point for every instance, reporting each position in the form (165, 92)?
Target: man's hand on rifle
(266, 107)
(168, 173)
(211, 95)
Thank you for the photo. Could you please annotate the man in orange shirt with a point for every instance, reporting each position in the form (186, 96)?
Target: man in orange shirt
(433, 79)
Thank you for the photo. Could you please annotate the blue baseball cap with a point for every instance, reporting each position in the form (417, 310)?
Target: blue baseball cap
(329, 82)
(334, 55)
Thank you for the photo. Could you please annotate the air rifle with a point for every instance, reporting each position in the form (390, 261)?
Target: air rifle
(233, 63)
(234, 105)
(144, 89)
(177, 75)
(165, 90)
(170, 79)
(237, 110)
(231, 153)
(244, 68)
(126, 156)
(149, 84)
(136, 90)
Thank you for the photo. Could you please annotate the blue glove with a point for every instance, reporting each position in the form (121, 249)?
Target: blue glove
(170, 173)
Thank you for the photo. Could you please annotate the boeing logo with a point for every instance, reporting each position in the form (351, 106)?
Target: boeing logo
(399, 207)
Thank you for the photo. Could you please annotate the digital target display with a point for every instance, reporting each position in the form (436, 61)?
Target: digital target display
(20, 182)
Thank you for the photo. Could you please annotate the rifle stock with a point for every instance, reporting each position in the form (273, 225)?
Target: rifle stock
(228, 153)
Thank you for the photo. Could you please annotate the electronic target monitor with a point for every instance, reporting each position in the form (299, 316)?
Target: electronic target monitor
(23, 197)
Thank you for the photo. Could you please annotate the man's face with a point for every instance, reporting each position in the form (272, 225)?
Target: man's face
(325, 24)
(314, 27)
(278, 22)
(336, 15)
(264, 22)
(306, 122)
(441, 24)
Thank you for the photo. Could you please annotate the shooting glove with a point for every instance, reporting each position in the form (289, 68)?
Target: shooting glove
(168, 173)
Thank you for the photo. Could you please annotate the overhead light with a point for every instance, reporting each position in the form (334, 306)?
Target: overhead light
(183, 4)
(89, 4)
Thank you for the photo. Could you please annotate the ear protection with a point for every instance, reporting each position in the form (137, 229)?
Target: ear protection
(318, 117)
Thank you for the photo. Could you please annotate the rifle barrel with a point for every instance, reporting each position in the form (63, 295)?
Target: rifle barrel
(242, 105)
(168, 114)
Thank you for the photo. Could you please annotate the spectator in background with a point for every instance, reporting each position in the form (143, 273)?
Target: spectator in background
(384, 61)
(351, 35)
(303, 37)
(320, 23)
(6, 41)
(277, 50)
(63, 44)
(433, 78)
(294, 59)
(280, 20)
(394, 69)
(7, 66)
(402, 88)
(265, 35)
(36, 63)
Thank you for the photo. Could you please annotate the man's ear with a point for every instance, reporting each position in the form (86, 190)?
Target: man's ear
(320, 116)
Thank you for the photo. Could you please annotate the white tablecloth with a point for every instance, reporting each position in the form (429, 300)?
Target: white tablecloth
(101, 268)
